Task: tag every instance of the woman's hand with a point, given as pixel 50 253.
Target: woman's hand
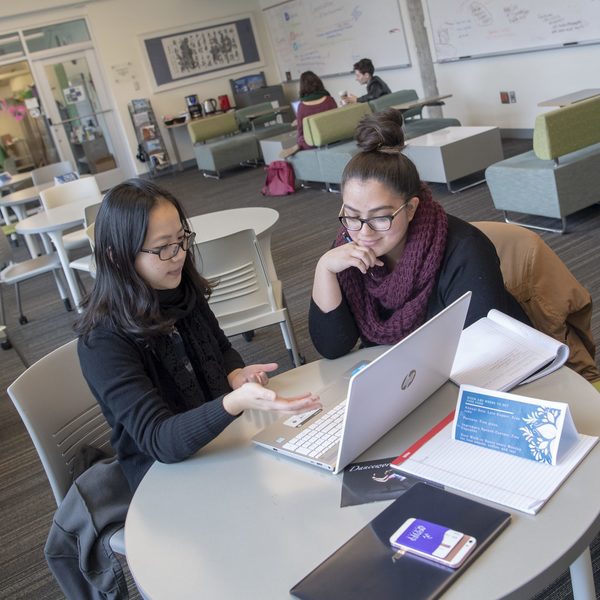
pixel 253 395
pixel 326 289
pixel 251 373
pixel 342 257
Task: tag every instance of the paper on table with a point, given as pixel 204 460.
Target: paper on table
pixel 498 352
pixel 509 480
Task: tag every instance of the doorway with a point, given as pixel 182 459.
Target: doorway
pixel 25 141
pixel 82 122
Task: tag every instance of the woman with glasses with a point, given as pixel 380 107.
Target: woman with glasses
pixel 166 377
pixel 398 258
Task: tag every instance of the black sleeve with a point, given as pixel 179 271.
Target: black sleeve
pixel 231 356
pixel 119 377
pixel 471 264
pixel 333 333
pixel 375 89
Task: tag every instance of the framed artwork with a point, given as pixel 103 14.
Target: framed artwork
pixel 198 52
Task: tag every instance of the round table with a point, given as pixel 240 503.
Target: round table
pixel 237 521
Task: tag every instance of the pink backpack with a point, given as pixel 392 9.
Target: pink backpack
pixel 280 179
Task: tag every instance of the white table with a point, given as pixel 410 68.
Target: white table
pixel 15 179
pixel 453 152
pixel 237 521
pixel 421 102
pixel 571 98
pixel 54 222
pixel 17 201
pixel 211 226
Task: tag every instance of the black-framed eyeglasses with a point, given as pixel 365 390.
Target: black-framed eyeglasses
pixel 169 251
pixel 375 223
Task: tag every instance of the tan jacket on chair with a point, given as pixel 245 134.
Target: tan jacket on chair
pixel 555 302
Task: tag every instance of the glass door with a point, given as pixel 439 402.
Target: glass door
pixel 80 115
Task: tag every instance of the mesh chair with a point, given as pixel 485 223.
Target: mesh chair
pixel 61 418
pixel 49 172
pixel 72 191
pixel 16 272
pixel 243 297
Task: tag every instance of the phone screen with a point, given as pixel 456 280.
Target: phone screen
pixel 433 541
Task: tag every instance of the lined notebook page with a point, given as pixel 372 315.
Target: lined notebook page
pixel 515 482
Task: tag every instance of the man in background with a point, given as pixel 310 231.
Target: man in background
pixel 376 87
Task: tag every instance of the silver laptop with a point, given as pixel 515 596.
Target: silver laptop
pixel 372 397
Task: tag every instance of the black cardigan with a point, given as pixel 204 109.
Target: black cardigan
pixel 470 263
pixel 140 401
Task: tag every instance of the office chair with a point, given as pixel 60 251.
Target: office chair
pixel 555 302
pixel 61 418
pixel 72 191
pixel 13 273
pixel 244 298
pixel 49 172
pixel 86 263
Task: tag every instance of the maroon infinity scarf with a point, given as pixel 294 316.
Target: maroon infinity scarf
pixel 405 291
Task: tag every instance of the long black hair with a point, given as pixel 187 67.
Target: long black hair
pixel 121 300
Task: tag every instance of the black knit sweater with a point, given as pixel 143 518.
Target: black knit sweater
pixel 150 419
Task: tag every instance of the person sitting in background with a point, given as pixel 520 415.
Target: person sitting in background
pixel 398 258
pixel 314 99
pixel 376 87
pixel 165 375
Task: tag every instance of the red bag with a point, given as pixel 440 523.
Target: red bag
pixel 280 179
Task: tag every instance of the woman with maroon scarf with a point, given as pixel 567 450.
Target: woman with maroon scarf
pixel 398 258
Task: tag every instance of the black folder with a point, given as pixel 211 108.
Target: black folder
pixel 367 566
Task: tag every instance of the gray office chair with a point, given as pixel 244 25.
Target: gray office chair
pixel 13 273
pixel 61 418
pixel 244 298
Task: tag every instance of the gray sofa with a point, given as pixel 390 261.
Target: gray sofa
pixel 561 175
pixel 227 140
pixel 332 134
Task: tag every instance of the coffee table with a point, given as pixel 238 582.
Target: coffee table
pixel 448 154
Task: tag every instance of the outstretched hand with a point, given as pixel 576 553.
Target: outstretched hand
pixel 255 396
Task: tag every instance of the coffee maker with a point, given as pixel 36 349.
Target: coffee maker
pixel 193 106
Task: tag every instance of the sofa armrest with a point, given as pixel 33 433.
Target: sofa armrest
pixel 207 128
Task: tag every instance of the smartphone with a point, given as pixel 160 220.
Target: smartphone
pixel 434 542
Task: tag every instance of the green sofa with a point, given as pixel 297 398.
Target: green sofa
pixel 561 175
pixel 332 133
pixel 224 141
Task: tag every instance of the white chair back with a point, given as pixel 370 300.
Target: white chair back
pixel 46 174
pixel 60 413
pixel 244 298
pixel 72 191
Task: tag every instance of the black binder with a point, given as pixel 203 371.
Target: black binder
pixel 366 566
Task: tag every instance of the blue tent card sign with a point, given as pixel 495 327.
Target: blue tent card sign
pixel 537 430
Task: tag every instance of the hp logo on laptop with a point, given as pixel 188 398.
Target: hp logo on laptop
pixel 409 379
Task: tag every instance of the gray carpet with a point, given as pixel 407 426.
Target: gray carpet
pixel 304 231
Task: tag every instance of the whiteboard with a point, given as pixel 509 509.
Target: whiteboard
pixel 329 36
pixel 470 28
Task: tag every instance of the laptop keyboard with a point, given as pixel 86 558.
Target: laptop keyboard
pixel 321 436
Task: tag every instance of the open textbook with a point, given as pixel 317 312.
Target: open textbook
pixel 499 352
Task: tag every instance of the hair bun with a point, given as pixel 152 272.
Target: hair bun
pixel 381 131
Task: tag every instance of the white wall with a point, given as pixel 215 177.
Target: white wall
pixel 475 84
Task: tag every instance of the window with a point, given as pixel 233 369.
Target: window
pixel 57 35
